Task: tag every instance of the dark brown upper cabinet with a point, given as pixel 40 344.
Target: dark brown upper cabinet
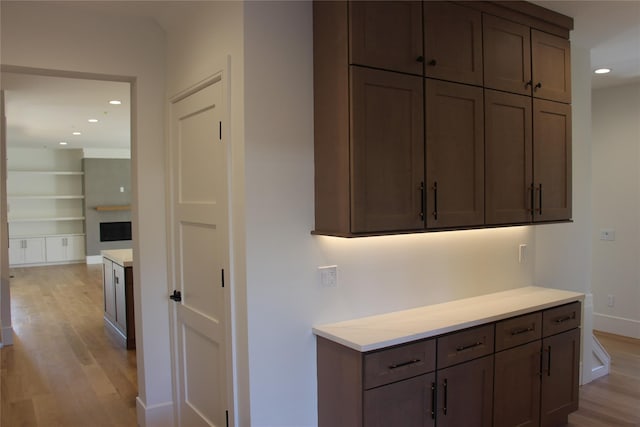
pixel 551 160
pixel 551 62
pixel 453 42
pixel 507 55
pixel 386 35
pixel 400 91
pixel 526 61
pixel 455 155
pixel 528 159
pixel 387 166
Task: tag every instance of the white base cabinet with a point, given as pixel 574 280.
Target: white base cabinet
pixel 40 250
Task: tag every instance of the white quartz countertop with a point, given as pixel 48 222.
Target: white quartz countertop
pixel 376 332
pixel 123 257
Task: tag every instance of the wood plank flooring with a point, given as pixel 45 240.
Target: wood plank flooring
pixel 64 368
pixel 613 400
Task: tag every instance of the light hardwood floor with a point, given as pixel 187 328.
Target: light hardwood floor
pixel 64 369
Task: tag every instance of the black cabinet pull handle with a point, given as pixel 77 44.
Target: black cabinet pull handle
pixel 529 83
pixel 435 200
pixel 564 319
pixel 467 347
pixel 522 331
pixel 549 362
pixel 420 58
pixel 176 296
pixel 422 200
pixel 433 401
pixel 532 209
pixel 400 365
pixel 540 200
pixel 433 62
pixel 444 408
pixel 538 86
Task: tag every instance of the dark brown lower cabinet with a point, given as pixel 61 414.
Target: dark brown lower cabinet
pixel 517 386
pixel 465 394
pixel 560 361
pixel 408 403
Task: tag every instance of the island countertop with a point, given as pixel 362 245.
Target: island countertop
pixel 399 327
pixel 123 257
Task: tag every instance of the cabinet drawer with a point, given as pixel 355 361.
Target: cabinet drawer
pixel 397 363
pixel 560 319
pixel 518 330
pixel 465 345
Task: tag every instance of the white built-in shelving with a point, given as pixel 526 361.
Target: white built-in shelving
pixel 45 204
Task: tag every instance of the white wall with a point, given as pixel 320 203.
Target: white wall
pixel 77 37
pixel 616 205
pixel 375 275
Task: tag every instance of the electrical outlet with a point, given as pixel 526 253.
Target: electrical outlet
pixel 611 301
pixel 522 253
pixel 608 234
pixel 328 276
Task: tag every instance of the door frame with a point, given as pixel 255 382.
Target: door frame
pixel 222 74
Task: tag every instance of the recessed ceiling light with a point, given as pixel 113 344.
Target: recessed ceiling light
pixel 93 120
pixel 602 71
pixel 63 143
pixel 77 133
pixel 115 102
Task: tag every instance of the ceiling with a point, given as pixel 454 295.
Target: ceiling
pixel 42 111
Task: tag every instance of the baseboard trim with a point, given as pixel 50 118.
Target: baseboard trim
pixel 94 259
pixel 7 336
pixel 160 415
pixel 616 325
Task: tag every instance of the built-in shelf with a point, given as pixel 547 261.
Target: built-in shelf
pixel 43 172
pixel 113 208
pixel 59 218
pixel 50 197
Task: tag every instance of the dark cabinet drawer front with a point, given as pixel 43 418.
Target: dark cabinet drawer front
pixel 465 345
pixel 398 363
pixel 560 319
pixel 518 330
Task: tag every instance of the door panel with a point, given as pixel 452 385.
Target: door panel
pixel 452 42
pixel 386 34
pixel 200 244
pixel 552 160
pixel 507 55
pixel 455 155
pixel 387 151
pixel 551 61
pixel 508 162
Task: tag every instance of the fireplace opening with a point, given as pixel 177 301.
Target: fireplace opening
pixel 114 231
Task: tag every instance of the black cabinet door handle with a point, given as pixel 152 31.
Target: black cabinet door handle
pixel 176 296
pixel 433 62
pixel 433 401
pixel 420 58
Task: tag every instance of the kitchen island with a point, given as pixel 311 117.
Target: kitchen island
pixel 117 282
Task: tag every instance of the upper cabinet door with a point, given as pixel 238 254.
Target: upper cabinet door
pixel 551 59
pixel 552 160
pixel 387 157
pixel 387 35
pixel 507 55
pixel 455 154
pixel 453 42
pixel 508 162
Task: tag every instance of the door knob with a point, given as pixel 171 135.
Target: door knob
pixel 176 296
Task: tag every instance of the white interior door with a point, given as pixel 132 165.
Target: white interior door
pixel 201 253
pixel 6 336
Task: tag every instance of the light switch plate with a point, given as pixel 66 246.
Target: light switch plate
pixel 328 276
pixel 608 234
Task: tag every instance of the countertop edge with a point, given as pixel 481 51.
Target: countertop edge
pixel 123 257
pixel 331 331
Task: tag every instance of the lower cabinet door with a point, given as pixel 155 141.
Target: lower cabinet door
pixel 465 394
pixel 408 403
pixel 560 371
pixel 516 400
pixel 121 300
